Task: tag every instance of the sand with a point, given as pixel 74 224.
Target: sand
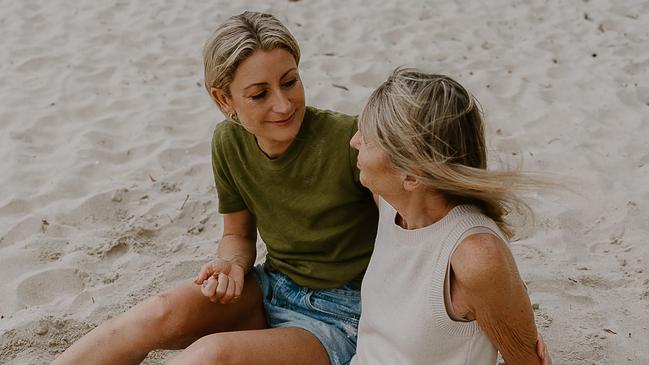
pixel 107 194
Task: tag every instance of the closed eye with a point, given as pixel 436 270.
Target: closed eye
pixel 259 96
pixel 290 83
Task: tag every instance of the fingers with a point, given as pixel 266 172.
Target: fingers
pixel 208 270
pixel 238 288
pixel 221 282
pixel 225 290
pixel 221 289
pixel 228 297
pixel 546 357
pixel 205 272
pixel 542 351
pixel 208 288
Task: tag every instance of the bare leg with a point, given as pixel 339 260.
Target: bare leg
pixel 276 346
pixel 170 320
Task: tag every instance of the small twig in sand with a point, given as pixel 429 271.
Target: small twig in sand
pixel 186 198
pixel 340 87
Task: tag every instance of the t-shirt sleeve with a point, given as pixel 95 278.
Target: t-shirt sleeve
pixel 230 199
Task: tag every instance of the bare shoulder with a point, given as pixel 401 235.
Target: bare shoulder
pixel 482 260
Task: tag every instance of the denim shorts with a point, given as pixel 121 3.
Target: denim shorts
pixel 331 315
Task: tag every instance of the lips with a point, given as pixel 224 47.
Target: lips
pixel 283 122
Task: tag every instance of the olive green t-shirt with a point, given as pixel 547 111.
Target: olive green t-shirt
pixel 317 220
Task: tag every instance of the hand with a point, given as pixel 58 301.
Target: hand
pixel 542 351
pixel 221 280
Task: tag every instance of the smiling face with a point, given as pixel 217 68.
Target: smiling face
pixel 267 96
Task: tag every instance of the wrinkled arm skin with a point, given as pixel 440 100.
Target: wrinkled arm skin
pixel 486 277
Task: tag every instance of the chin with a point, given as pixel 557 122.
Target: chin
pixel 285 135
pixel 294 128
pixel 363 182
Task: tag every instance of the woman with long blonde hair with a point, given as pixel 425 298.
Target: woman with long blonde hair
pixel 442 286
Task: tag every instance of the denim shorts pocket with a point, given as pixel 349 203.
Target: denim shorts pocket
pixel 345 307
pixel 281 291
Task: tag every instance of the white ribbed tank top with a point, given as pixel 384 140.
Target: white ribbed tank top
pixel 404 319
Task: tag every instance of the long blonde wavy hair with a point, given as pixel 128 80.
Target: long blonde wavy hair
pixel 431 127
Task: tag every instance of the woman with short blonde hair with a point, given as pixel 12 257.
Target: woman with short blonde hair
pixel 286 170
pixel 236 39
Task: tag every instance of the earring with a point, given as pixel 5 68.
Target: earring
pixel 233 117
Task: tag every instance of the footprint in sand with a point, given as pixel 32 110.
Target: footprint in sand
pixel 569 290
pixel 642 94
pixel 47 286
pixel 23 230
pixel 634 97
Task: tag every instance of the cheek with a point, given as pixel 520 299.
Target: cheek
pixel 377 168
pixel 251 114
pixel 297 93
pixel 361 157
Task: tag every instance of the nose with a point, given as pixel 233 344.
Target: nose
pixel 355 141
pixel 282 104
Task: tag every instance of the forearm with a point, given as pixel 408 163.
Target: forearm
pixel 517 345
pixel 524 359
pixel 511 328
pixel 239 250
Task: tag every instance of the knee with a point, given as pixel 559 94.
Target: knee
pixel 209 350
pixel 152 316
pixel 158 313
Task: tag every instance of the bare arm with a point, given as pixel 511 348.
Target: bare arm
pixel 489 285
pixel 238 244
pixel 222 278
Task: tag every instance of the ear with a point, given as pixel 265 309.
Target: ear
pixel 410 183
pixel 223 100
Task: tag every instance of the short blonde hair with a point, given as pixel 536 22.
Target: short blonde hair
pixel 431 127
pixel 236 39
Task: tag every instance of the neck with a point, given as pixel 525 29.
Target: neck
pixel 419 208
pixel 273 149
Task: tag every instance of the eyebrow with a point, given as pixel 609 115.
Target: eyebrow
pixel 265 83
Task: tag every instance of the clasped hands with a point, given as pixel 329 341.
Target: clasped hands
pixel 221 281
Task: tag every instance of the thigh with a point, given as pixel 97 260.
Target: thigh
pixel 330 315
pixel 182 315
pixel 275 346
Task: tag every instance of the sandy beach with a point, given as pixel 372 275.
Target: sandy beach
pixel 107 190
